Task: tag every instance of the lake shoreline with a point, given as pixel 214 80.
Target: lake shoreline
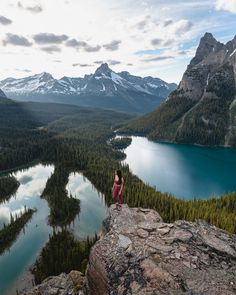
pixel 184 171
pixel 166 141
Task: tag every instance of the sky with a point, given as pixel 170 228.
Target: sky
pixel 73 37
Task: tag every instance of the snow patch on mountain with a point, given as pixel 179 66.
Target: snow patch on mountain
pixel 103 82
pixel 117 79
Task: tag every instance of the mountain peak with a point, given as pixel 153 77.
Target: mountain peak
pixel 104 66
pixel 103 69
pixel 207 45
pixel 205 97
pixel 208 36
pixel 44 76
pixel 208 40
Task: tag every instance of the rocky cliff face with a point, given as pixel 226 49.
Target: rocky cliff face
pixel 202 109
pixel 211 74
pixel 140 254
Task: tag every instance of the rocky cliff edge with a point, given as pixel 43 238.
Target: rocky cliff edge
pixel 140 254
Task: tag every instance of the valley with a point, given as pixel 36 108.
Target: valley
pixel 61 140
pixel 77 142
pixel 117 147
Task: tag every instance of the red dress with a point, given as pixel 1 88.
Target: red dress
pixel 118 198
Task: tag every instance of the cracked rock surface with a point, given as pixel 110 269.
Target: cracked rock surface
pixel 140 254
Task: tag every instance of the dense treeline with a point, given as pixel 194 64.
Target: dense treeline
pixel 19 146
pixel 21 143
pixel 80 143
pixel 163 122
pixel 218 211
pixel 62 253
pixel 232 120
pixel 120 143
pixel 98 163
pixel 8 187
pixel 207 124
pixel 9 233
pixel 184 120
pixel 63 208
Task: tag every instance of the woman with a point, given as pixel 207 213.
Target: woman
pixel 118 188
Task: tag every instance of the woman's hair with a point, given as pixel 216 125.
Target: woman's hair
pixel 119 174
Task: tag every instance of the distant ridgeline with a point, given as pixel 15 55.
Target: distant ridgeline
pixel 103 89
pixel 202 110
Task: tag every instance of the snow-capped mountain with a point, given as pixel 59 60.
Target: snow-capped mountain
pixel 2 94
pixel 135 92
pixel 40 83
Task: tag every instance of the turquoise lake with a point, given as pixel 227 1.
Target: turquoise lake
pixel 183 170
pixel 15 262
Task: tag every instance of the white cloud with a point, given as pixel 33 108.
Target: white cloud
pixel 37 177
pixel 99 30
pixel 6 212
pixel 16 40
pixel 76 185
pixel 228 5
pixel 33 6
pixel 5 21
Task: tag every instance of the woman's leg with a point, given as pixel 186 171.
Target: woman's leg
pixel 116 199
pixel 120 201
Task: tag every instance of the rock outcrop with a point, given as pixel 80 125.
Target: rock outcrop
pixel 71 284
pixel 140 254
pixel 202 110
